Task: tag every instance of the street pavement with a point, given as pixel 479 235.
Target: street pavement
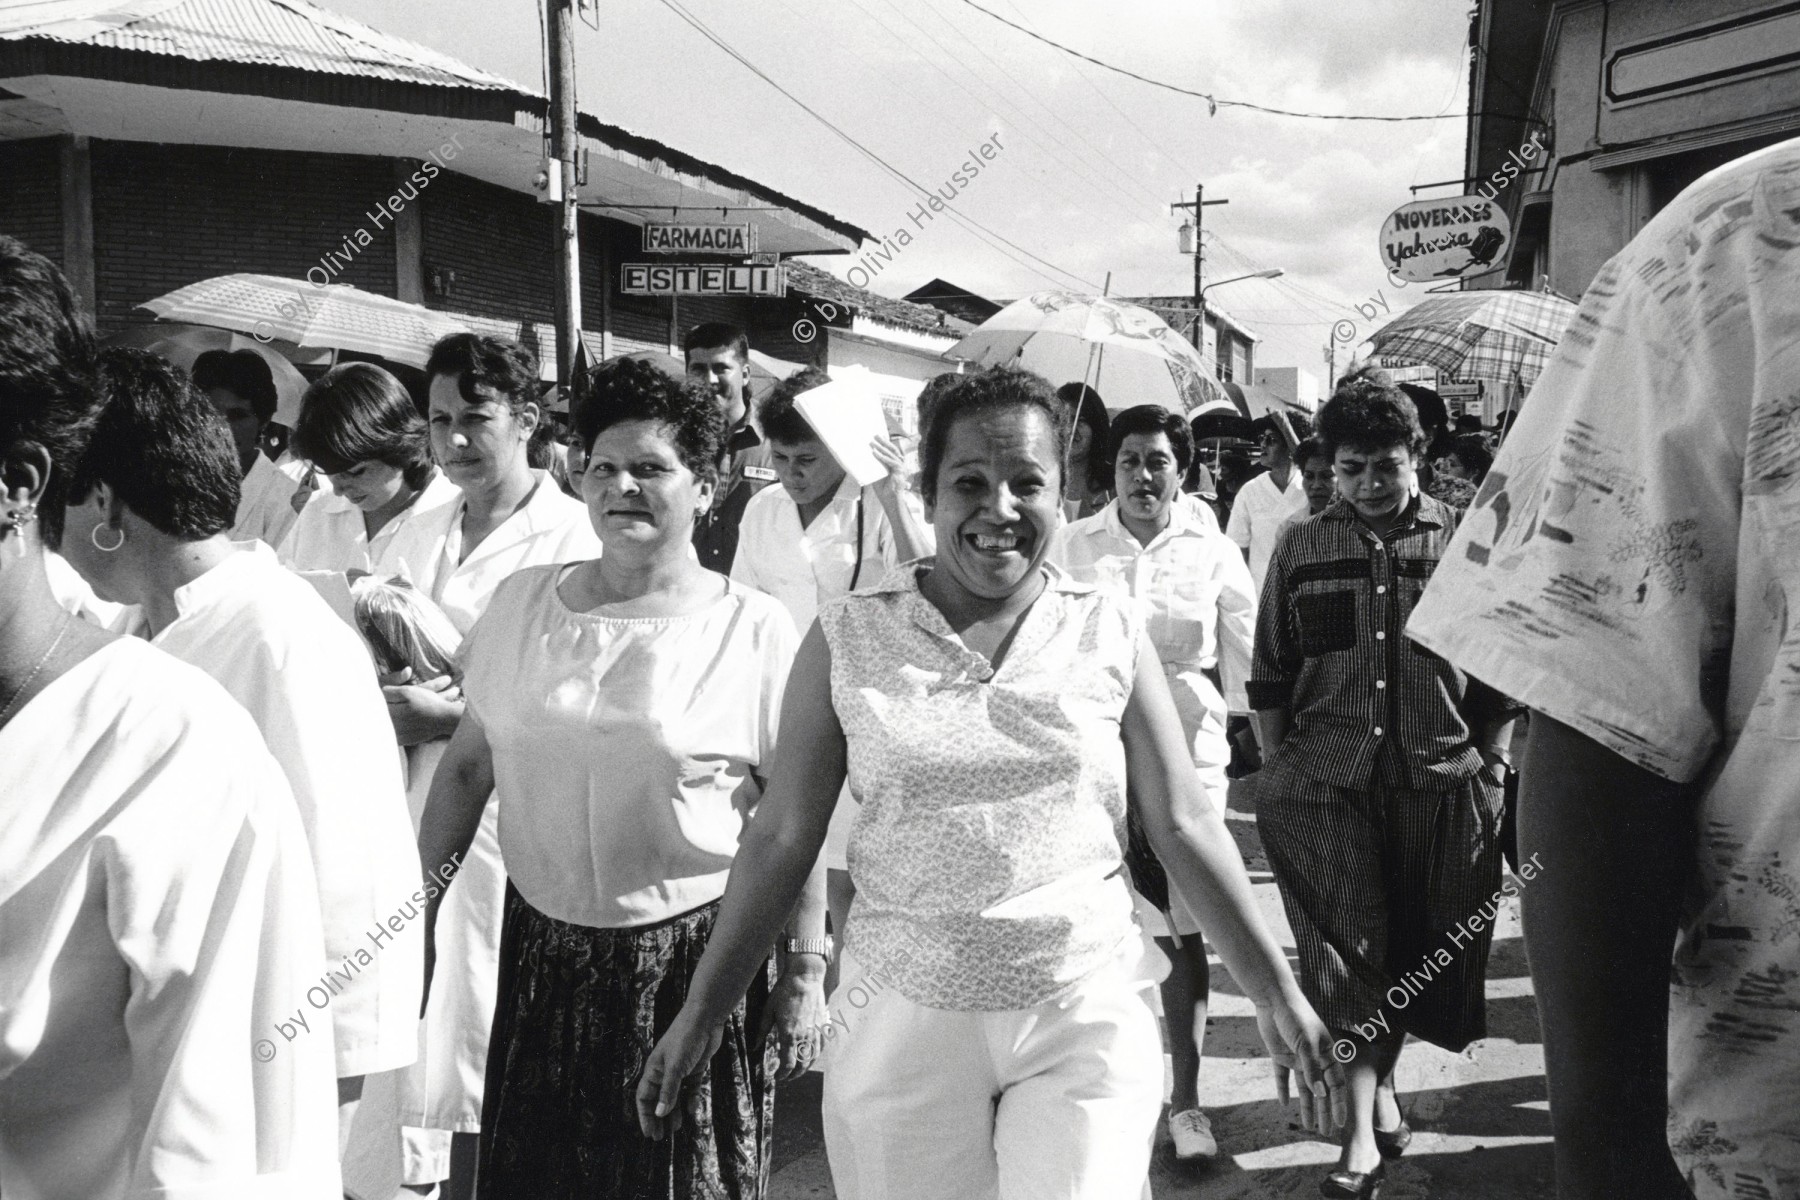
pixel 1481 1125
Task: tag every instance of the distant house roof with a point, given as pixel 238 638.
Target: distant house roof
pixel 903 314
pixel 955 300
pixel 119 69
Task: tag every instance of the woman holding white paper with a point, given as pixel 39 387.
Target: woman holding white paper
pixel 818 536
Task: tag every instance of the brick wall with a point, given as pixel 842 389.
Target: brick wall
pixel 500 244
pixel 165 216
pixel 31 194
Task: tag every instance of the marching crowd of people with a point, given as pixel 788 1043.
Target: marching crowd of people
pixel 528 816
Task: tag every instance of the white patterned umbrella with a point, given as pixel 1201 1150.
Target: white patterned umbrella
pixel 1127 353
pixel 274 308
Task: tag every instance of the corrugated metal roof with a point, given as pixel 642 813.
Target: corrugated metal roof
pixel 805 278
pixel 276 33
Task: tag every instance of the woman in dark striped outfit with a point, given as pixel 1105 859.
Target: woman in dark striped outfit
pixel 1380 801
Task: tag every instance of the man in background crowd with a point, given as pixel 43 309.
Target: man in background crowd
pixel 242 389
pixel 719 355
pixel 1264 503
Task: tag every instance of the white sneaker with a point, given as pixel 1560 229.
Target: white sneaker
pixel 1193 1136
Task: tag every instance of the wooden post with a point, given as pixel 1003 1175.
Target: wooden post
pixel 564 147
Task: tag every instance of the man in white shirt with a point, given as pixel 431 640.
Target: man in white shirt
pixel 242 389
pixel 1263 504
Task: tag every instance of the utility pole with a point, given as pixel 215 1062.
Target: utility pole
pixel 564 147
pixel 1200 204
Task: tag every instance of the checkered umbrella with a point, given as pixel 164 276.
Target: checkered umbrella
pixel 1469 336
pixel 1127 353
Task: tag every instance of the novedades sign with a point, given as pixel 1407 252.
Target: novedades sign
pixel 1429 240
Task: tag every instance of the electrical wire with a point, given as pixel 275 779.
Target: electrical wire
pixel 1214 103
pixel 1068 167
pixel 700 27
pixel 1111 170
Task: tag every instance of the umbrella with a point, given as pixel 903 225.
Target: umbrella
pixel 1125 352
pixel 274 308
pixel 1217 424
pixel 182 344
pixel 1505 336
pixel 1256 402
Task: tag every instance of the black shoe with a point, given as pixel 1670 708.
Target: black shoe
pixel 1354 1185
pixel 1393 1142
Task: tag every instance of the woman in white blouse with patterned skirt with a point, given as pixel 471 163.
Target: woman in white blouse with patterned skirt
pixel 990 713
pixel 624 711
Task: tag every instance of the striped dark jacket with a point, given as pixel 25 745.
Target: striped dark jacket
pixel 1367 703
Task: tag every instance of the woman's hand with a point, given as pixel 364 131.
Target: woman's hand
pixel 1298 1042
pixel 681 1053
pixel 797 1016
pixel 423 712
pixel 888 453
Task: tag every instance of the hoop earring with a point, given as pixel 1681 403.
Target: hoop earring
pixel 94 537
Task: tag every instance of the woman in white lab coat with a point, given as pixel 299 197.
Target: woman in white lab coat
pixel 483 412
pixel 361 430
pixel 158 908
pixel 150 506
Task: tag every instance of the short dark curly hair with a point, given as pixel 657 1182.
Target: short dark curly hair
pixel 357 412
pixel 1475 452
pixel 991 390
pixel 630 389
pixel 781 420
pixel 1369 412
pixel 475 361
pixel 1308 450
pixel 48 396
pixel 244 374
pixel 161 447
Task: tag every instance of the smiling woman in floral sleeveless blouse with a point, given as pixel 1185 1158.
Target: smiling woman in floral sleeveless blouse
pixel 989 713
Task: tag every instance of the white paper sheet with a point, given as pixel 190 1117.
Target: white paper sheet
pixel 846 414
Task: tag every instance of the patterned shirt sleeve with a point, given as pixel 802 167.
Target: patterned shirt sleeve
pixel 1594 576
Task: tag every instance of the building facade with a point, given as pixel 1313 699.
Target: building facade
pixel 1588 117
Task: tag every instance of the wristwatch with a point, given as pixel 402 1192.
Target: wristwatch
pixel 820 946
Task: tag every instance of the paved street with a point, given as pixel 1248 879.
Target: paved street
pixel 1480 1118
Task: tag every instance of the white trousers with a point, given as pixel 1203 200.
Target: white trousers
pixel 1057 1102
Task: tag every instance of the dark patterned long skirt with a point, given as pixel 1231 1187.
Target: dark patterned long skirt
pixel 578 1012
pixel 1391 894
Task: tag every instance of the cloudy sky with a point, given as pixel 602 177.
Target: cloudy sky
pixel 1090 160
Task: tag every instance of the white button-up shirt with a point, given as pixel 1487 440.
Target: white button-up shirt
pixel 306 679
pixel 332 536
pixel 1257 515
pixel 804 567
pixel 265 509
pixel 1197 602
